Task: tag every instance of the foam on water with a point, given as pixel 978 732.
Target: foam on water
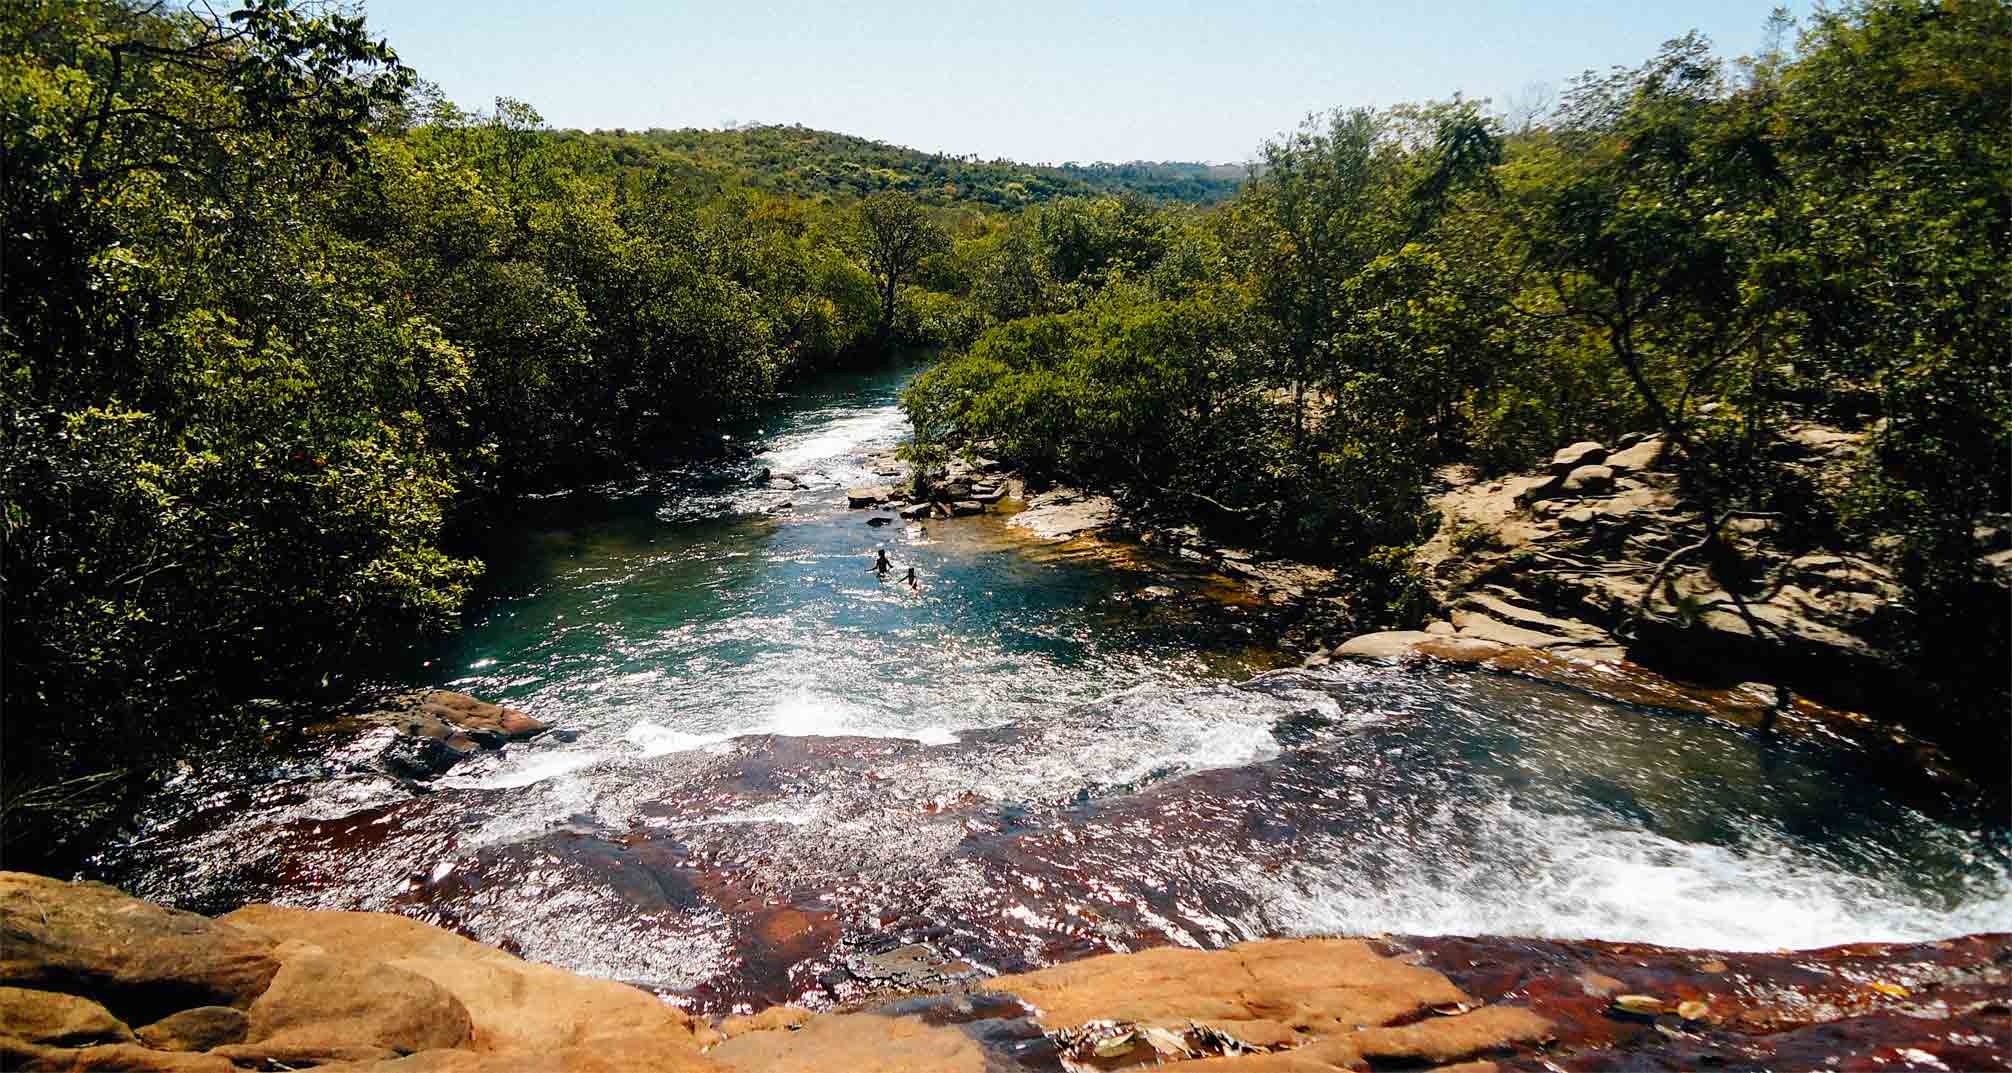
pixel 524 769
pixel 834 441
pixel 798 715
pixel 1569 877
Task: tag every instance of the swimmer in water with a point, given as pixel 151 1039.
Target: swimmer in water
pixel 911 580
pixel 880 564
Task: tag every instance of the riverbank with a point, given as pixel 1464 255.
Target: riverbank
pixel 1596 574
pixel 93 979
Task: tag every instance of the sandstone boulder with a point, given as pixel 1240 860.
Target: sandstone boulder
pixel 473 714
pixel 1588 480
pixel 1062 514
pixel 966 507
pixel 107 1058
pixel 512 1004
pixel 1583 453
pixel 196 1030
pixel 1287 990
pixel 342 1008
pixel 1531 490
pixel 1635 459
pixel 1820 440
pixel 1393 645
pixel 382 936
pixel 868 496
pixel 140 960
pixel 54 1019
pixel 857 1043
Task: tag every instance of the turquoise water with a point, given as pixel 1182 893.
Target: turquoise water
pixel 692 606
pixel 777 767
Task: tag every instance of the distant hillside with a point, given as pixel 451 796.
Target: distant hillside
pixel 1173 180
pixel 820 164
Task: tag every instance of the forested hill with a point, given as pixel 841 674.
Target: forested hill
pixel 823 165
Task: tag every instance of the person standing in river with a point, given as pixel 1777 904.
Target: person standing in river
pixel 910 578
pixel 880 564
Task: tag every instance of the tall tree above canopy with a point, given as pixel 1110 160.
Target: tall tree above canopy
pixel 895 235
pixel 1652 221
pixel 1326 204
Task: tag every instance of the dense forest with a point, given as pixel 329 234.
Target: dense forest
pixel 278 320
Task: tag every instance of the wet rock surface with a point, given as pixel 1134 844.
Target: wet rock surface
pixel 1941 1005
pixel 422 734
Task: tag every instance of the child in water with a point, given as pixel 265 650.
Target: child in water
pixel 880 564
pixel 911 580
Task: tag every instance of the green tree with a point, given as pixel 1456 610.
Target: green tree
pixel 217 456
pixel 1326 202
pixel 895 234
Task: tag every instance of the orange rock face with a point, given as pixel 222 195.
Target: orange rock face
pixel 1294 1004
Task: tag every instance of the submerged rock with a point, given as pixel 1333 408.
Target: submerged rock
pixel 426 757
pixel 437 729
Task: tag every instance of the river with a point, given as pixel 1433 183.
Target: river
pixel 784 779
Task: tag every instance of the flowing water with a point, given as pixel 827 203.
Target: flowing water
pixel 786 779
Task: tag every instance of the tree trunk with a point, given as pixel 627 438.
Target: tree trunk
pixel 884 333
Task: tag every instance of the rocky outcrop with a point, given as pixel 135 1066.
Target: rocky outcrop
pixel 1065 513
pixel 324 989
pixel 1597 559
pixel 141 961
pixel 431 730
pixel 376 993
pixel 322 1006
pixel 1601 587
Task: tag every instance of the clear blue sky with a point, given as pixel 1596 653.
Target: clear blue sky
pixel 1034 80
